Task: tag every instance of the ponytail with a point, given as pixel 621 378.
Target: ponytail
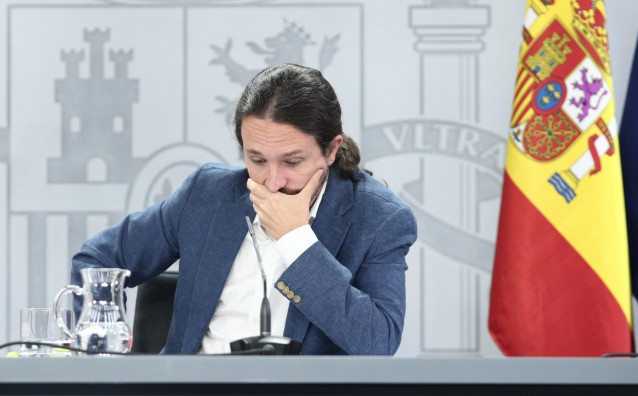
pixel 348 158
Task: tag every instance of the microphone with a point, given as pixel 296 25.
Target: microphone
pixel 264 316
pixel 265 343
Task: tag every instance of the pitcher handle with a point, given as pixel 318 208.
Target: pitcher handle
pixel 56 307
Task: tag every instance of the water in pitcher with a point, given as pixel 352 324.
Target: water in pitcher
pixel 106 337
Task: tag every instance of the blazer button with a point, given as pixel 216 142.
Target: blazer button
pixel 286 289
pixel 281 285
pixel 290 294
pixel 296 298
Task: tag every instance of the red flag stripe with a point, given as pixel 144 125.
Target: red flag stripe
pixel 545 299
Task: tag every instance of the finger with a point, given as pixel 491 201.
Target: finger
pixel 256 198
pixel 313 183
pixel 255 188
pixel 250 184
pixel 253 198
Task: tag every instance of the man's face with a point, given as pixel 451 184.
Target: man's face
pixel 282 157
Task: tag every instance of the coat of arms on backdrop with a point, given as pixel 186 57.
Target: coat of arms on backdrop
pixel 288 46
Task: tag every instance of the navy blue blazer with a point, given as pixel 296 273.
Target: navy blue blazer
pixel 351 283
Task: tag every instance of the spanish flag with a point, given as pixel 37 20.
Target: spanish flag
pixel 560 284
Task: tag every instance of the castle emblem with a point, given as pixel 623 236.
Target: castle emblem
pixel 553 52
pixel 96 117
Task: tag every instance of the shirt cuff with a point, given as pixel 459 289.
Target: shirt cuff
pixel 293 244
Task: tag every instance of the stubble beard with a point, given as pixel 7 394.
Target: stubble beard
pixel 315 194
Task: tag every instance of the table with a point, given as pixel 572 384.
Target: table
pixel 146 375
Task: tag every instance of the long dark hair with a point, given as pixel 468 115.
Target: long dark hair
pixel 299 96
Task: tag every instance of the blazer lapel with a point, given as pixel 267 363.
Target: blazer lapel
pixel 330 226
pixel 225 235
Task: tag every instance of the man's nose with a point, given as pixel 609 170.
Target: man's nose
pixel 275 180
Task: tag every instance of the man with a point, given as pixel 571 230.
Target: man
pixel 332 238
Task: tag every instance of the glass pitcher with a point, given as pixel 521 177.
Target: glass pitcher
pixel 102 326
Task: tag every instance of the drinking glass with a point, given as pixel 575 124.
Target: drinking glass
pixel 39 325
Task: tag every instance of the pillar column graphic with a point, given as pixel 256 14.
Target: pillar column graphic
pixel 449 38
pixel 448 41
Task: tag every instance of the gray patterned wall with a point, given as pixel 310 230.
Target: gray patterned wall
pixel 110 104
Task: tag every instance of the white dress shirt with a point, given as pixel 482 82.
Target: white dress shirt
pixel 239 305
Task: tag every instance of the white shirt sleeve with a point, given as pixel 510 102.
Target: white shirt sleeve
pixel 293 244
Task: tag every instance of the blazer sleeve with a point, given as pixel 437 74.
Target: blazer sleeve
pixel 362 314
pixel 143 242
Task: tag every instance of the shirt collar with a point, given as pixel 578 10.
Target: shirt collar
pixel 315 207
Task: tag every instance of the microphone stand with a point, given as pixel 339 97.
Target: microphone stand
pixel 265 343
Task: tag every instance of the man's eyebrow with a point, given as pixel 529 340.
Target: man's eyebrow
pixel 293 153
pixel 289 154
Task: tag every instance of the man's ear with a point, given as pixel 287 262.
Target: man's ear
pixel 333 147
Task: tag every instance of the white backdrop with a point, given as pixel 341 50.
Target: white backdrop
pixel 109 104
